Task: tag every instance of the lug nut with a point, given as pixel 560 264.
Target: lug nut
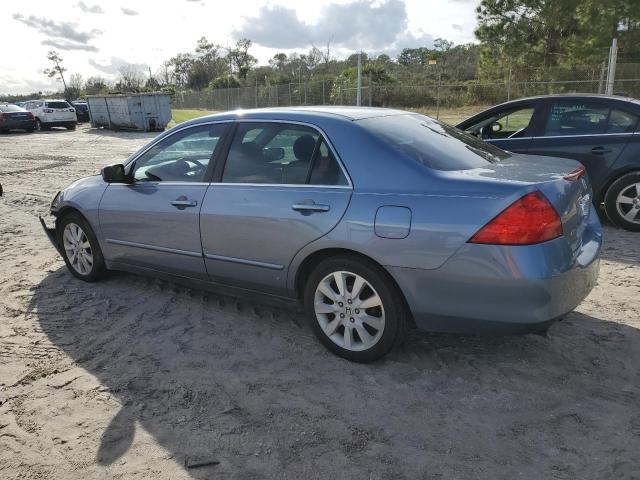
pixel 357 311
pixel 352 320
pixel 342 315
pixel 349 301
pixel 340 304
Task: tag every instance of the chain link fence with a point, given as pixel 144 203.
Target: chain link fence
pixel 449 101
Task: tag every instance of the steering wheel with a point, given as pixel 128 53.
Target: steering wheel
pixel 517 132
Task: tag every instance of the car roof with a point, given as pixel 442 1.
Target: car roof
pixel 337 112
pixel 618 98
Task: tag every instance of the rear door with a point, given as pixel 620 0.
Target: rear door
pixel 154 222
pixel 589 131
pixel 509 128
pixel 281 187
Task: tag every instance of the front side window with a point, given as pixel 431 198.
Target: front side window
pixel 181 157
pixel 576 118
pixel 280 153
pixel 505 124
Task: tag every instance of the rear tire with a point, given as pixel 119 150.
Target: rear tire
pixel 363 323
pixel 40 127
pixel 71 127
pixel 80 248
pixel 622 202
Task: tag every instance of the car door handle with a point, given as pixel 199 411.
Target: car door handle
pixel 309 207
pixel 600 150
pixel 183 203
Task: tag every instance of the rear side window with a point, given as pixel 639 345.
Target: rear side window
pixel 281 154
pixel 621 122
pixel 576 118
pixel 58 105
pixel 10 108
pixel 432 143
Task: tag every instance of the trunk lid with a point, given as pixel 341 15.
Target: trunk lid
pixel 569 194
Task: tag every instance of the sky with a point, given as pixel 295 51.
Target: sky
pixel 97 37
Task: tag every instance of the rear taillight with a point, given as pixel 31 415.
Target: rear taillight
pixel 1 117
pixel 48 110
pixel 531 219
pixel 575 175
pixel 31 117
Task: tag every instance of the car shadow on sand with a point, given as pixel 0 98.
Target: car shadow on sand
pixel 247 388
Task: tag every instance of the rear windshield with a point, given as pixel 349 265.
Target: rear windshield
pixel 11 108
pixel 58 105
pixel 81 106
pixel 433 143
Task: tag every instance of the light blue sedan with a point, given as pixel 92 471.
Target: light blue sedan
pixel 376 220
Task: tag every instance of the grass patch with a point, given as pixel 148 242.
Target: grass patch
pixel 182 115
pixel 451 116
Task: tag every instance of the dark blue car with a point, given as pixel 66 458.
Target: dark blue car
pixel 599 131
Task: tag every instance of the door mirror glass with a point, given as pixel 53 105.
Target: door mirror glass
pixel 114 173
pixel 496 127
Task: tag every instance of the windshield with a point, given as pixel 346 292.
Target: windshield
pixel 11 108
pixel 57 105
pixel 433 143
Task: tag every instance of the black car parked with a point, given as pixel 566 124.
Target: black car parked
pixel 599 131
pixel 13 117
pixel 82 110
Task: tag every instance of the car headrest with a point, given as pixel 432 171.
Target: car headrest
pixel 303 148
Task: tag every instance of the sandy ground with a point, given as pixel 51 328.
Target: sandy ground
pixel 139 378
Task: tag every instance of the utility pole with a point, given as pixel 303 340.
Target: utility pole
pixel 611 74
pixel 359 91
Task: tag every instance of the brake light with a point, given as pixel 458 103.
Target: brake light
pixel 575 175
pixel 1 117
pixel 71 110
pixel 531 219
pixel 31 117
pixel 48 110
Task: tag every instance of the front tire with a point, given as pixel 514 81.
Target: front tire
pixel 80 248
pixel 622 202
pixel 354 309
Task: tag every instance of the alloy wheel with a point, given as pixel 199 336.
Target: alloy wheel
pixel 77 248
pixel 628 203
pixel 349 311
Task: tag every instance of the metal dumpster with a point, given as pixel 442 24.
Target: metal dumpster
pixel 135 111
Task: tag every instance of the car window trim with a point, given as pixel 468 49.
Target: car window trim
pixel 217 180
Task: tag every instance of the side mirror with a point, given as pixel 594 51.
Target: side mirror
pixel 273 154
pixel 114 174
pixel 496 127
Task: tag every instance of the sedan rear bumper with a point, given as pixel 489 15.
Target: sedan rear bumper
pixel 510 289
pixel 18 125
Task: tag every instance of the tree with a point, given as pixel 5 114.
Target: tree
pixel 76 85
pixel 542 33
pixel 57 70
pixel 131 79
pixel 240 57
pixel 95 85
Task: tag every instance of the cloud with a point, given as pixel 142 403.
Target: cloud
pixel 360 24
pixel 115 64
pixel 62 35
pixel 66 45
pixel 128 11
pixel 456 26
pixel 89 8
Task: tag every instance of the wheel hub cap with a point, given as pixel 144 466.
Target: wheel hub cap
pixel 77 248
pixel 349 311
pixel 628 203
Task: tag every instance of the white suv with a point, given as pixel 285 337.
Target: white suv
pixel 52 113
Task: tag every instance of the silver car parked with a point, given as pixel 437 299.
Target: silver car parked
pixel 375 219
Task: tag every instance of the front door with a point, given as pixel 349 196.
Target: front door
pixel 153 222
pixel 281 188
pixel 587 131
